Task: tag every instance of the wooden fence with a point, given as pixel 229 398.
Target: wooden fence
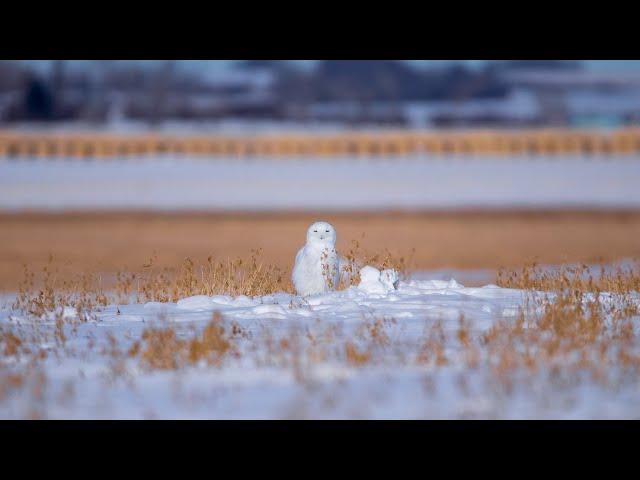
pixel 490 142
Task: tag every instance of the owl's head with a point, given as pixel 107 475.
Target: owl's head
pixel 322 233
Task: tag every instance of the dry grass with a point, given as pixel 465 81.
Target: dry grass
pixel 357 257
pixel 48 295
pixel 354 356
pixel 161 348
pixel 568 327
pixel 106 243
pixel 432 350
pixel 235 277
pixel 575 326
pixel 45 295
pixel 10 343
pixel 573 278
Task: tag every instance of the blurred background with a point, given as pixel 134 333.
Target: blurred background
pixel 328 94
pixel 463 166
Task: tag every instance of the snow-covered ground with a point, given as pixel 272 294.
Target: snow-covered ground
pixel 91 377
pixel 330 184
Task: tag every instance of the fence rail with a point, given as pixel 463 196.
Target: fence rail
pixel 538 142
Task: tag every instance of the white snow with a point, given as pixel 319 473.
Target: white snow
pixel 374 281
pixel 83 381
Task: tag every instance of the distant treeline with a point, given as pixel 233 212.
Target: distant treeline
pixel 129 90
pixel 391 80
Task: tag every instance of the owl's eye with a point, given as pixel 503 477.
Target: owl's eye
pixel 327 231
pixel 315 231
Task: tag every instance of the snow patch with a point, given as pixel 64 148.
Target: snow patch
pixel 372 281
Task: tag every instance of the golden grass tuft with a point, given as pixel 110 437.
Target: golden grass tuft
pixel 10 343
pixel 432 350
pixel 357 257
pixel 43 295
pixel 576 278
pixel 250 277
pixel 211 345
pixel 84 293
pixel 354 356
pixel 163 349
pixel 573 326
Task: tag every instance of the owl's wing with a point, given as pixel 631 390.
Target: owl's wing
pixel 299 255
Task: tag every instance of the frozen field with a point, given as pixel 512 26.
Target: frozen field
pixel 326 184
pixel 370 351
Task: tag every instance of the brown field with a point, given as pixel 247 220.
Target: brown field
pixel 106 243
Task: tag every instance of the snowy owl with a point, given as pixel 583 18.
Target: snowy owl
pixel 316 268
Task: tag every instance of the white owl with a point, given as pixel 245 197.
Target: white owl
pixel 317 265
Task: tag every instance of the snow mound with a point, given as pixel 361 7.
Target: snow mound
pixel 379 293
pixel 376 282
